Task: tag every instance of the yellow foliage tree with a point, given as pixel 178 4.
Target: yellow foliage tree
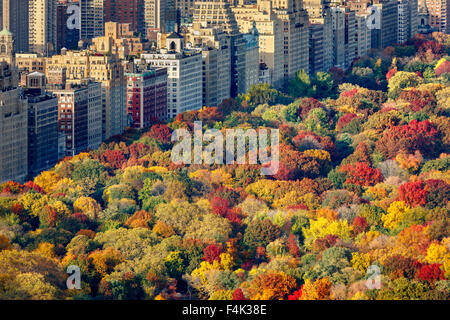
pixel 317 290
pixel 88 206
pixel 360 261
pixel 395 214
pixel 47 180
pixel 321 227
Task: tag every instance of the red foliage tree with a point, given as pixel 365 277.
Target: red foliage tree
pixel 211 253
pixel 362 174
pixel 359 225
pixel 160 132
pixel 238 294
pixel 30 185
pixel 220 206
pixel 444 67
pixel 391 73
pixel 114 158
pixel 413 193
pixel 416 135
pixel 306 105
pixel 344 120
pixel 430 273
pixel 296 294
pixel 292 245
pixel 438 193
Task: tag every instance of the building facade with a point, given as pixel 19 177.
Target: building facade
pixel 147 97
pixel 439 15
pixel 73 117
pixel 92 19
pixel 42 125
pixel 104 68
pixel 15 19
pixel 126 11
pixel 407 20
pixel 42 27
pixel 184 74
pixel 214 46
pixel 13 128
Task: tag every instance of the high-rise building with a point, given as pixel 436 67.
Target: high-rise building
pixel 439 15
pixel 316 48
pixel 363 35
pixel 42 125
pixel 42 26
pixel 252 65
pixel 126 11
pixel 387 34
pixel 215 13
pixel 184 74
pixel 351 46
pixel 295 36
pixel 65 37
pixel 73 117
pixel 423 17
pixel 13 127
pixel 160 15
pixel 92 19
pixel 15 19
pixel 407 20
pixel 214 46
pixel 7 47
pixel 104 68
pixel 320 35
pixel 271 36
pixel 186 9
pixel 94 110
pixel 147 97
pixel 338 43
pixel 383 19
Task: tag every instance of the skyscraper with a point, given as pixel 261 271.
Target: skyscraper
pixel 224 17
pixel 42 125
pixel 15 19
pixel 126 11
pixel 42 26
pixel 407 20
pixel 92 19
pixel 13 127
pixel 439 11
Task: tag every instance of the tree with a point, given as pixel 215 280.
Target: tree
pixel 270 286
pixel 362 174
pixel 417 135
pixel 260 233
pixel 301 85
pixel 413 193
pixel 323 85
pixel 402 80
pixel 317 290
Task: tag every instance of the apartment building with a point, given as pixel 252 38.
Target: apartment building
pixel 42 27
pixel 15 19
pixel 13 128
pixel 42 125
pixel 104 68
pixel 184 74
pixel 146 97
pixel 215 48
